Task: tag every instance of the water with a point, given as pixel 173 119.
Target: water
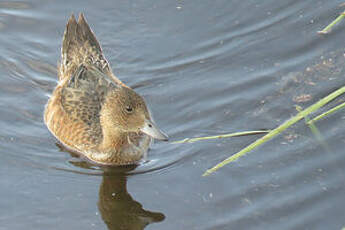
pixel 204 68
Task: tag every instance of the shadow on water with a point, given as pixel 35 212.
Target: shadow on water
pixel 119 210
pixel 117 207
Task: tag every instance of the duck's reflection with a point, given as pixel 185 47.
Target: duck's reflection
pixel 118 209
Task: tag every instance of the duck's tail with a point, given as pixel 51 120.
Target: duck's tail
pixel 80 46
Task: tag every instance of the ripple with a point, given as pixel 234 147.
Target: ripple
pixel 170 158
pixel 207 68
pixel 15 5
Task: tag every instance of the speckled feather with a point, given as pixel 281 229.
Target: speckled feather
pixel 82 91
pixel 86 83
pixel 81 46
pixel 82 98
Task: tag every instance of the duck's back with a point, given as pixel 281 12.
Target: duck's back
pixel 73 111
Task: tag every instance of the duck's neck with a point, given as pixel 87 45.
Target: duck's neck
pixel 117 149
pixel 114 140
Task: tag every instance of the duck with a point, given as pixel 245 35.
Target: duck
pixel 93 113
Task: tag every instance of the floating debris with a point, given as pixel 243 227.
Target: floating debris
pixel 302 98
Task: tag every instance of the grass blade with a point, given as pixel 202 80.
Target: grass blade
pixel 315 131
pixel 338 107
pixel 278 130
pixel 328 28
pixel 237 134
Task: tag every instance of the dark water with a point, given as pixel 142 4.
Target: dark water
pixel 204 67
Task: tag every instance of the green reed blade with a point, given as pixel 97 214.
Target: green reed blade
pixel 315 131
pixel 338 107
pixel 278 130
pixel 237 134
pixel 328 28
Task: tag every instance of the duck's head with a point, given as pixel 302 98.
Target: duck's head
pixel 125 111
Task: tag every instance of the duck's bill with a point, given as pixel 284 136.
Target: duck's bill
pixel 152 130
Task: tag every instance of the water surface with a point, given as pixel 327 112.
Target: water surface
pixel 204 68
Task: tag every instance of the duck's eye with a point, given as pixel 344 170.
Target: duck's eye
pixel 129 109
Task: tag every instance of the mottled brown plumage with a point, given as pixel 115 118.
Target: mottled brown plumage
pixel 91 111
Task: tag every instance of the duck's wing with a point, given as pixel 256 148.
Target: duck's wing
pixel 80 47
pixel 73 112
pixel 83 95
